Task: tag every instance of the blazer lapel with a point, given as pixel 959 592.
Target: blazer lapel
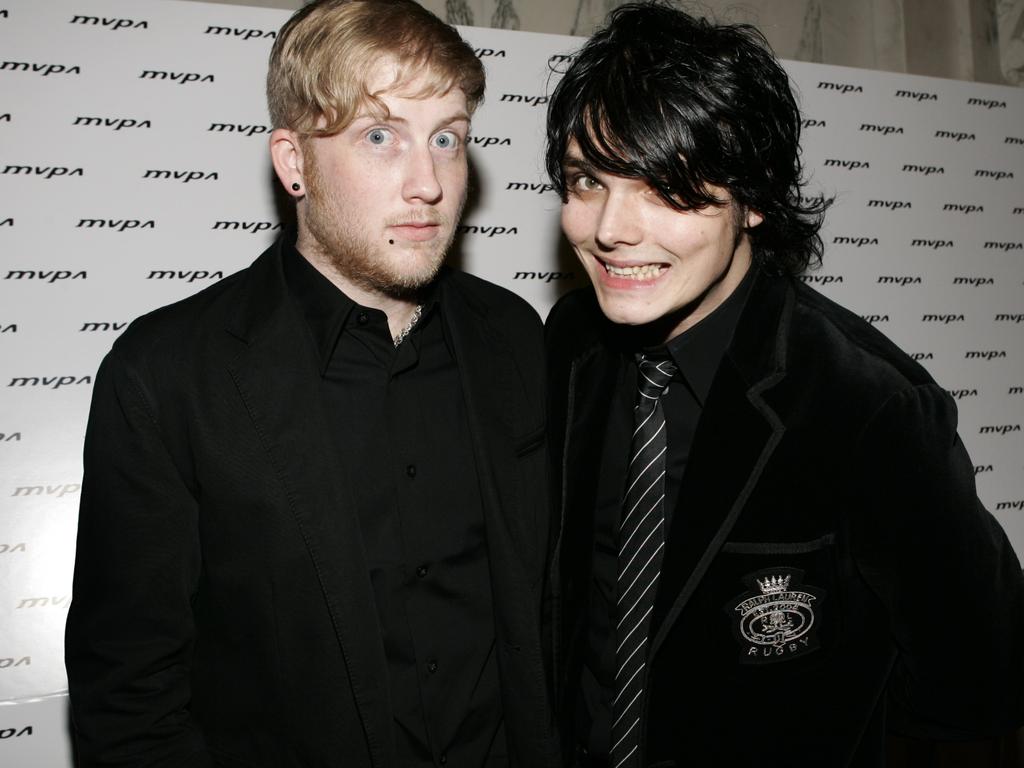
pixel 503 423
pixel 737 433
pixel 591 389
pixel 496 411
pixel 275 376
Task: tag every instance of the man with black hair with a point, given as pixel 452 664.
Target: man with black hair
pixel 771 549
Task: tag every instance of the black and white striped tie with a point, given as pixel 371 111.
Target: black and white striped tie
pixel 641 543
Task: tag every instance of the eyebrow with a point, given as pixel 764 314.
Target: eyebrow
pixel 458 117
pixel 574 162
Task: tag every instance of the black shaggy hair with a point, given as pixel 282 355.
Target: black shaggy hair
pixel 659 95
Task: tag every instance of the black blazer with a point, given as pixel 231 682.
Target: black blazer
pixel 826 455
pixel 222 611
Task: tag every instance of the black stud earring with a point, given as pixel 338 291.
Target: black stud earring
pixel 296 186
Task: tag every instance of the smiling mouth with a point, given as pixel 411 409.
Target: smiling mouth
pixel 636 272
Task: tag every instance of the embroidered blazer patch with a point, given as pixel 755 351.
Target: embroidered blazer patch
pixel 777 618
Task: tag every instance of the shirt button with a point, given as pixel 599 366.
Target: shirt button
pixel 411 470
pixel 362 319
pixel 422 571
pixel 431 667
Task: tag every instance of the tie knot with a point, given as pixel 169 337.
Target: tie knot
pixel 655 374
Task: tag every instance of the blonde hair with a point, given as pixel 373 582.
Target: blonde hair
pixel 327 51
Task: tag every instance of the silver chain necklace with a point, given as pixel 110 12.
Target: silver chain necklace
pixel 410 325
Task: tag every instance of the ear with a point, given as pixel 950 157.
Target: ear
pixel 752 219
pixel 286 155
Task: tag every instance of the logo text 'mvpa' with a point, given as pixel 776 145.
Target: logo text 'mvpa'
pixel 919 242
pixel 53 382
pixel 490 141
pixel 820 279
pixel 242 34
pixel 525 186
pixel 189 275
pixel 247 130
pixel 111 24
pixel 117 123
pixel 516 98
pixel 41 69
pixel 983 173
pixel 46 171
pixel 857 242
pixel 957 136
pixel 963 208
pixel 49 275
pixel 183 176
pixel 960 394
pixel 917 95
pixel 119 225
pixel 885 130
pixel 900 280
pixel 999 429
pixel 47 490
pixel 101 326
pixel 248 226
pixel 843 88
pixel 987 103
pixel 847 165
pixel 472 229
pixel 547 277
pixel 182 78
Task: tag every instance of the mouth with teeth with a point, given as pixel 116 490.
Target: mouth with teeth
pixel 637 272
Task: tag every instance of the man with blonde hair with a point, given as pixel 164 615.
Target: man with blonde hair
pixel 313 521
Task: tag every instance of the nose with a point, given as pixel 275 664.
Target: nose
pixel 421 183
pixel 619 222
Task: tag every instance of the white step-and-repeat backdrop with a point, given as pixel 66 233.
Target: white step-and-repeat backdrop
pixel 134 171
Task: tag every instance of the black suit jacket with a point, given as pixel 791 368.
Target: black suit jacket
pixel 222 611
pixel 827 455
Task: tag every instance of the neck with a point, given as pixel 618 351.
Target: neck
pixel 399 310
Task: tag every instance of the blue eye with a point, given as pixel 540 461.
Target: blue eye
pixel 377 136
pixel 446 140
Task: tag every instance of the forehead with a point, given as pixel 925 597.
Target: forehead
pixel 392 83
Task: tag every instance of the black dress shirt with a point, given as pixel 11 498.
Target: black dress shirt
pixel 403 444
pixel 697 353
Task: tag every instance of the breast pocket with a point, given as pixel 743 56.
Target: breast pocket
pixel 781 600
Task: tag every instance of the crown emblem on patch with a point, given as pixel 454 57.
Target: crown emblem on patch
pixel 777 618
pixel 774 584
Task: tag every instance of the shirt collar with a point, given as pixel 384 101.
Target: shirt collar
pixel 697 351
pixel 326 308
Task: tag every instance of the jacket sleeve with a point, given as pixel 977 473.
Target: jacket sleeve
pixel 130 629
pixel 944 570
